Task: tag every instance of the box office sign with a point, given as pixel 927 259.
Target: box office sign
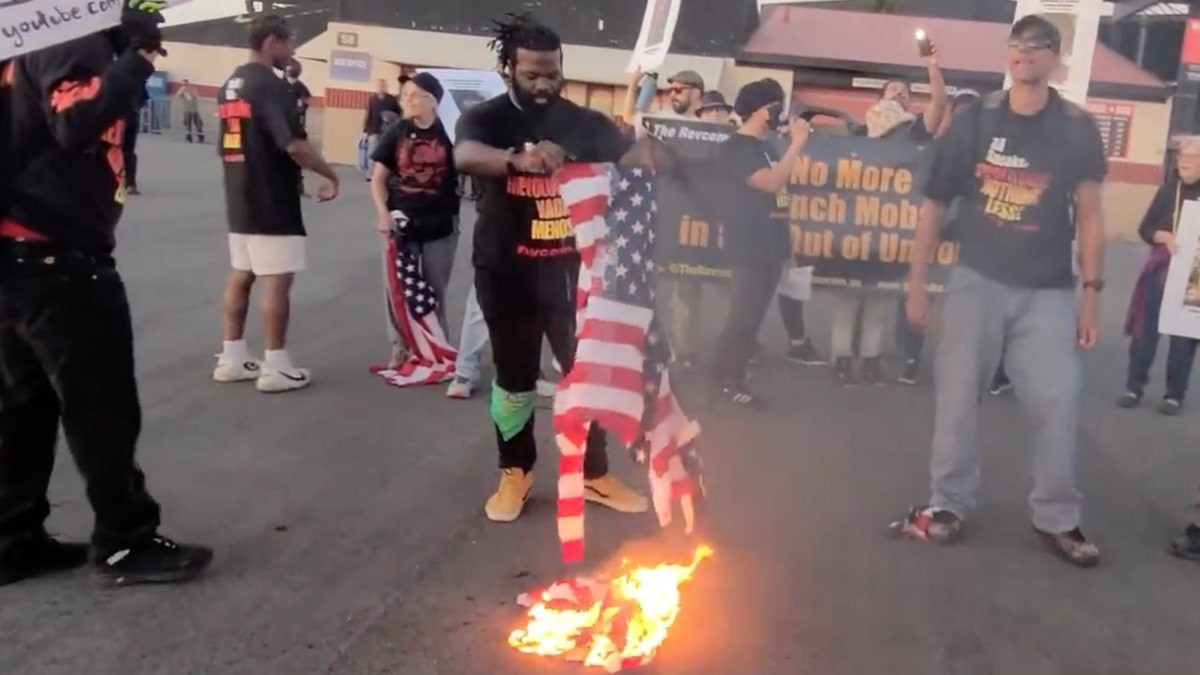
pixel 349 66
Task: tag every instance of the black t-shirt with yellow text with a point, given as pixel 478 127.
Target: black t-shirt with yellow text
pixel 523 222
pixel 262 182
pixel 1017 187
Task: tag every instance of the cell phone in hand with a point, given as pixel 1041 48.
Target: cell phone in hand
pixel 924 44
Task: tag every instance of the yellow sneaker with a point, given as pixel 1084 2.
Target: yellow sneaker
pixel 615 495
pixel 507 502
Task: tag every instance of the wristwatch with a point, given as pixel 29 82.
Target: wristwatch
pixel 1094 285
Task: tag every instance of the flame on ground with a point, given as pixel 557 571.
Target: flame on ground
pixel 613 624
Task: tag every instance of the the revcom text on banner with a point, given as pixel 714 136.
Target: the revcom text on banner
pixel 30 25
pixel 853 205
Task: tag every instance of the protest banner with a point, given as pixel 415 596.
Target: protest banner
pixel 853 205
pixel 30 25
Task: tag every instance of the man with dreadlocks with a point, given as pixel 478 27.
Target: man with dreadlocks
pixel 526 265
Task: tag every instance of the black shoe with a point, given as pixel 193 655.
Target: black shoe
pixel 912 371
pixel 1000 386
pixel 200 138
pixel 1188 545
pixel 803 352
pixel 189 138
pixel 742 397
pixel 872 372
pixel 1129 400
pixel 132 190
pixel 843 370
pixel 1170 407
pixel 39 555
pixel 156 561
pixel 1071 546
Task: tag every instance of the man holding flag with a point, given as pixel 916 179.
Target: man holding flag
pixel 524 252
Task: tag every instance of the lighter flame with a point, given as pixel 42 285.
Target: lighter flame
pixel 651 596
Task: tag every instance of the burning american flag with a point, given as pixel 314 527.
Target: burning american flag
pixel 411 308
pixel 618 619
pixel 620 377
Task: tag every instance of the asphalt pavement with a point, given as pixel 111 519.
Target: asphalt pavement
pixel 350 538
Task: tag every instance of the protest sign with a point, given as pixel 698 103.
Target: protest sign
pixel 1078 23
pixel 654 39
pixel 853 205
pixel 30 25
pixel 1179 313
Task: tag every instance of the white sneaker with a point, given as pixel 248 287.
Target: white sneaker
pixel 275 381
pixel 237 371
pixel 460 388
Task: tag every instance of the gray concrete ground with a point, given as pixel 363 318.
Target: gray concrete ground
pixel 350 537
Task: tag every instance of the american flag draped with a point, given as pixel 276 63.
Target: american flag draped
pixel 620 378
pixel 411 309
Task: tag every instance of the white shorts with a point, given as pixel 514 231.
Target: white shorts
pixel 266 254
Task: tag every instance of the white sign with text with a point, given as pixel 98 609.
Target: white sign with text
pixel 654 40
pixel 1078 22
pixel 30 25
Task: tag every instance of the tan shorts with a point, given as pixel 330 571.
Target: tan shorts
pixel 267 255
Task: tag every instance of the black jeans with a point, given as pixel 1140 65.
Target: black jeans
pixel 751 291
pixel 1181 352
pixel 791 311
pixel 66 355
pixel 133 126
pixel 517 320
pixel 909 340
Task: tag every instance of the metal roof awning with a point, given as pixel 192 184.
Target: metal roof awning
pixel 1147 9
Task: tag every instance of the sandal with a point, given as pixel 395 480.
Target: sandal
pixel 925 523
pixel 1071 546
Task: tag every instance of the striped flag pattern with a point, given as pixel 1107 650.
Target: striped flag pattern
pixel 620 378
pixel 411 308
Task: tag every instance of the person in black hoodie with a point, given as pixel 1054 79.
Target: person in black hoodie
pixel 1157 229
pixel 415 175
pixel 66 339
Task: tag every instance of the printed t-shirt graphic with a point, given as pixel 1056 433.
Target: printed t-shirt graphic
pixel 423 165
pixel 537 198
pixel 1010 186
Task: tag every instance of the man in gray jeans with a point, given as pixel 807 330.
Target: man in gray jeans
pixel 1029 167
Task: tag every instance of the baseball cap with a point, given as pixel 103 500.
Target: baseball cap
pixel 964 96
pixel 1034 27
pixel 757 95
pixel 688 78
pixel 427 83
pixel 712 100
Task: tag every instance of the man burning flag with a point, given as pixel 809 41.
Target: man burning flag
pixel 412 319
pixel 620 381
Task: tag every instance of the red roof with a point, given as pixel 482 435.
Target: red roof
pixel 868 39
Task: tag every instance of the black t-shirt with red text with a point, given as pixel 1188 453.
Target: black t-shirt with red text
pixel 424 184
pixel 1016 177
pixel 522 218
pixel 262 181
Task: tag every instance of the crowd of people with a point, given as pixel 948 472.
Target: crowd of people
pixel 1016 311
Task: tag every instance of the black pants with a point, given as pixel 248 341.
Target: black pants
pixel 66 355
pixel 750 295
pixel 133 126
pixel 1181 351
pixel 192 122
pixel 518 316
pixel 791 311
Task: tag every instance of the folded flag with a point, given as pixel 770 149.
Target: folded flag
pixel 412 311
pixel 620 378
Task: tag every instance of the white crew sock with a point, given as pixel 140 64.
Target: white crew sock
pixel 279 360
pixel 235 351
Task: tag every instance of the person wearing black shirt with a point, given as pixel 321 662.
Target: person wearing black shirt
pixel 66 335
pixel 262 150
pixel 526 265
pixel 415 176
pixel 760 242
pixel 133 128
pixel 1029 167
pixel 380 107
pixel 299 90
pixel 1158 229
